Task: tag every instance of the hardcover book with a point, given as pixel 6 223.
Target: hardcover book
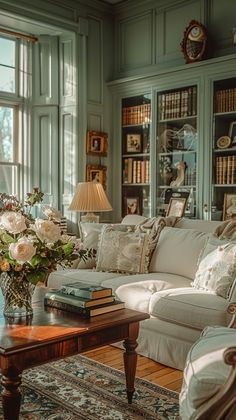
pixel 76 300
pixel 85 290
pixel 85 312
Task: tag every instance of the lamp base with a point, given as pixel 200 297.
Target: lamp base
pixel 90 217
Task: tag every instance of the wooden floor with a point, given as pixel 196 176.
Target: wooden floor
pixel 146 368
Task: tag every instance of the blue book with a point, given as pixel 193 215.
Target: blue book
pixel 85 290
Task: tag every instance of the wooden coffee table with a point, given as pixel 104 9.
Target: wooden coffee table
pixel 52 334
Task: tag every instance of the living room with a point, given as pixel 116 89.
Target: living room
pixel 71 69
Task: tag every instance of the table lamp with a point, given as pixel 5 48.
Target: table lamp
pixel 90 197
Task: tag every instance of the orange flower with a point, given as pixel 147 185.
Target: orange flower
pixel 18 267
pixel 5 266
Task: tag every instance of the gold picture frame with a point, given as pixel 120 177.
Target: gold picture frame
pixel 96 143
pixel 176 207
pixel 97 173
pixel 229 211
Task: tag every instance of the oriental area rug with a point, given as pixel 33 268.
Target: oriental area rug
pixel 78 388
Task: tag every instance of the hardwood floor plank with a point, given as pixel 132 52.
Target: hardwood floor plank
pixel 146 368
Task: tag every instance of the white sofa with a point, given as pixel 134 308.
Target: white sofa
pixel 178 312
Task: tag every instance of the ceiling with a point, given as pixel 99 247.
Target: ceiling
pixel 113 1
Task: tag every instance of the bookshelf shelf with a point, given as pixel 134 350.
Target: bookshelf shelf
pixel 136 120
pixel 177 147
pixel 224 134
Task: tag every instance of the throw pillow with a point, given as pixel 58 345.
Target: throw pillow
pixel 217 270
pixel 177 251
pixel 125 252
pixel 89 234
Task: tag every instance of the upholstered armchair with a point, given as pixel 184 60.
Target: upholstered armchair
pixel 209 387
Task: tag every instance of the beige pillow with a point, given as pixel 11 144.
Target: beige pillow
pixel 177 251
pixel 89 233
pixel 216 272
pixel 125 252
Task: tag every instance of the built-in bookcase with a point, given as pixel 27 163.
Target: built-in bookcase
pixel 136 118
pixel 177 147
pixel 223 147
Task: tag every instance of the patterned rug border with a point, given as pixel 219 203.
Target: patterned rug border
pixel 80 388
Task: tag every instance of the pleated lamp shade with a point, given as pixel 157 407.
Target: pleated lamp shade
pixel 90 197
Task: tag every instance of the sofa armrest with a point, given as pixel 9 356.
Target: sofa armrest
pixel 232 311
pixel 223 404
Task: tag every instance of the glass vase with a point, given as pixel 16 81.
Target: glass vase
pixel 17 293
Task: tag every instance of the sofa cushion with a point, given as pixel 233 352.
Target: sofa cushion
pixel 178 251
pixel 57 278
pixel 137 290
pixel 190 307
pixel 198 224
pixel 205 370
pixel 124 252
pixel 216 272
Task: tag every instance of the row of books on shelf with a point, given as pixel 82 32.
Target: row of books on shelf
pixel 178 104
pixel 139 114
pixel 225 100
pixel 83 299
pixel 136 171
pixel 226 169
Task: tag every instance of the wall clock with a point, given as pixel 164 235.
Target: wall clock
pixel 193 44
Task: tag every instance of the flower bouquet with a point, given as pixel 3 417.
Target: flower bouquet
pixel 30 249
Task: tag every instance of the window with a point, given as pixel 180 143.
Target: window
pixel 7 65
pixel 9 105
pixel 8 149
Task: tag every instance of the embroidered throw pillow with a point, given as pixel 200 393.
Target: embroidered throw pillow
pixel 89 233
pixel 124 252
pixel 216 272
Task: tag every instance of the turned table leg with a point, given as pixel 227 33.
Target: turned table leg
pixel 11 397
pixel 130 359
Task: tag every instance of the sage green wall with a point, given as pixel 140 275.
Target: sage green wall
pixel 148 33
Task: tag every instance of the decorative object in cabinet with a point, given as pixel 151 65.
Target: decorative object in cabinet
pixel 177 147
pixel 136 118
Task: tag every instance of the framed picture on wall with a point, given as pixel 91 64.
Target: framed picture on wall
pixel 97 173
pixel 96 143
pixel 176 207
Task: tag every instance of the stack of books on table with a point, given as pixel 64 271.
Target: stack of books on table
pixel 84 299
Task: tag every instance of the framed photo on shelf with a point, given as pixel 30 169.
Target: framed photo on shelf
pixel 132 205
pixel 133 143
pixel 96 143
pixel 176 207
pixel 97 173
pixel 232 133
pixel 229 211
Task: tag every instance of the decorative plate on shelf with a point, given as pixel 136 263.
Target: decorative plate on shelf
pixel 223 142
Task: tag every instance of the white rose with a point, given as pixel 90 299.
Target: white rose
pixel 22 251
pixel 47 231
pixel 13 222
pixel 52 213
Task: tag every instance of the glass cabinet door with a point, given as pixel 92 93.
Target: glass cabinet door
pixel 136 119
pixel 224 150
pixel 177 149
